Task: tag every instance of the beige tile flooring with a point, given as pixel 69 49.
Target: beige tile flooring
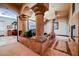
pixel 16 49
pixel 7 40
pixel 58 49
pixel 10 47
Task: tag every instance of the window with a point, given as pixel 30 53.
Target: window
pixel 32 24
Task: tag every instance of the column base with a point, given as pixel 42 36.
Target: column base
pixel 40 39
pixel 38 44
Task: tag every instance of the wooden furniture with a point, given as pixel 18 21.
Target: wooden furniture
pixel 9 32
pixel 12 32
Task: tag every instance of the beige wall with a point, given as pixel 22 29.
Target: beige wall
pixel 77 7
pixel 5 21
pixel 48 27
pixel 62 27
pixel 73 20
pixel 20 24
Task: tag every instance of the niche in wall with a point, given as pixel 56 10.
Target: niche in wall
pixel 73 32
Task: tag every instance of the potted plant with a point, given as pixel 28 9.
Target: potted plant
pixel 15 24
pixel 29 33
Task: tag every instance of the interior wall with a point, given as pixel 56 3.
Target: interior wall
pixel 20 25
pixel 62 27
pixel 2 28
pixel 74 21
pixel 48 27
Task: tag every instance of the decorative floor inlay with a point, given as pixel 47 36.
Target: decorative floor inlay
pixel 62 46
pixel 68 49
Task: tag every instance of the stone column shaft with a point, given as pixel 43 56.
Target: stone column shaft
pixel 39 10
pixel 23 26
pixel 39 24
pixel 23 19
pixel 52 31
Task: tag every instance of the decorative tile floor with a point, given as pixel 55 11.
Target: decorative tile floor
pixel 60 47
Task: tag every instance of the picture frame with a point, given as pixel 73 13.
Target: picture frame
pixel 73 29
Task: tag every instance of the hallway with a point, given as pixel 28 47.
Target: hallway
pixel 45 29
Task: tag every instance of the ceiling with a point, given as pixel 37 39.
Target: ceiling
pixel 60 6
pixel 15 6
pixel 62 9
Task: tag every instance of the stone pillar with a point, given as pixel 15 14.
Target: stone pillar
pixel 23 26
pixel 39 23
pixel 52 31
pixel 23 19
pixel 39 44
pixel 39 10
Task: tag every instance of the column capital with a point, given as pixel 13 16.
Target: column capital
pixel 40 8
pixel 23 17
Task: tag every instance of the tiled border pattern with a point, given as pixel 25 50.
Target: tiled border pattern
pixel 67 47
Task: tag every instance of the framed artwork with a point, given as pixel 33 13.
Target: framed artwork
pixel 73 32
